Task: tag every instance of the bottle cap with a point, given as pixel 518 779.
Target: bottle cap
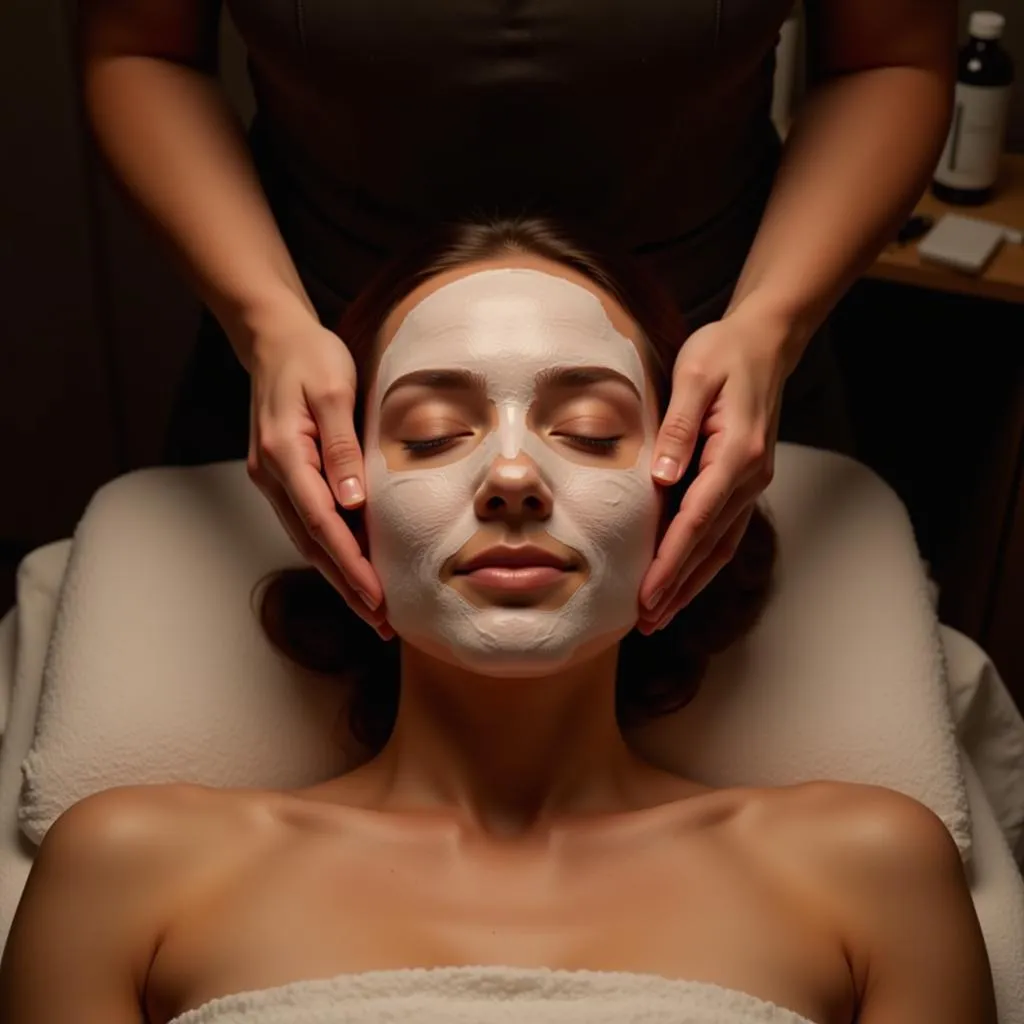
pixel 986 25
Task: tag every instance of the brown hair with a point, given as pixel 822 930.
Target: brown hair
pixel 308 621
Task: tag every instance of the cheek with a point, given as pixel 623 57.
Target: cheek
pixel 407 513
pixel 409 508
pixel 618 511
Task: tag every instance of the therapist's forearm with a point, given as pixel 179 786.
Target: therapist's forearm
pixel 173 141
pixel 856 161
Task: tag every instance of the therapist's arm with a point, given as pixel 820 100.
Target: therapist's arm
pixel 177 147
pixel 173 141
pixel 858 156
pixel 860 153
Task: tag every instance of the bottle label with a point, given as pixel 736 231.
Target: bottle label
pixel 974 145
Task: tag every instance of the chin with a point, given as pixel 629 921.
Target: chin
pixel 512 664
pixel 518 653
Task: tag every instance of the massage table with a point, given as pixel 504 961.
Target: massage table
pixel 126 605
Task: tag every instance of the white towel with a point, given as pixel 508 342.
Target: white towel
pixel 492 995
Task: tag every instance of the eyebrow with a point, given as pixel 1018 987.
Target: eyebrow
pixel 583 376
pixel 466 380
pixel 452 380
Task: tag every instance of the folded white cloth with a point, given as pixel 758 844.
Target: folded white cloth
pixel 991 730
pixel 998 895
pixel 492 995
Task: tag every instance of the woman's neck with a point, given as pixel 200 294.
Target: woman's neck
pixel 508 756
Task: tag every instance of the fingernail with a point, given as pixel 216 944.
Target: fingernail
pixel 654 600
pixel 666 469
pixel 372 603
pixel 351 492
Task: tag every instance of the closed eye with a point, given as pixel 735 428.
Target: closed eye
pixel 602 445
pixel 432 445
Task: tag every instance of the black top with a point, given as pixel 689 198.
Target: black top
pixel 648 117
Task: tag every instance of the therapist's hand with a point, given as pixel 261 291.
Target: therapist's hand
pixel 726 386
pixel 304 455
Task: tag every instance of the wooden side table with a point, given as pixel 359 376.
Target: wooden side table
pixel 983 588
pixel 1003 278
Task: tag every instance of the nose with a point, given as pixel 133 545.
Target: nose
pixel 513 491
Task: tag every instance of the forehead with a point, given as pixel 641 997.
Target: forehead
pixel 508 323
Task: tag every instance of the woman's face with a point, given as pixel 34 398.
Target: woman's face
pixel 510 508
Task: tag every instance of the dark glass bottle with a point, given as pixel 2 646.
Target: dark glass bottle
pixel 969 165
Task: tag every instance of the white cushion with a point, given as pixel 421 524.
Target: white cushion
pixel 158 670
pixel 39 582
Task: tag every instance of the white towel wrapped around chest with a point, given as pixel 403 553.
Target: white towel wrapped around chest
pixel 492 995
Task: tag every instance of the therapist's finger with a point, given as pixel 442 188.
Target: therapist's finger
pixel 318 558
pixel 283 454
pixel 737 506
pixel 651 619
pixel 711 565
pixel 692 394
pixel 342 456
pixel 312 500
pixel 703 503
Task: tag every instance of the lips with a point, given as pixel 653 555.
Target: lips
pixel 525 556
pixel 522 568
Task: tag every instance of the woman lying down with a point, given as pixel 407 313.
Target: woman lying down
pixel 503 855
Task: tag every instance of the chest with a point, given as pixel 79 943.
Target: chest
pixel 317 911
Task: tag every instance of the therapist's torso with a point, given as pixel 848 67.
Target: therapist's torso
pixel 648 118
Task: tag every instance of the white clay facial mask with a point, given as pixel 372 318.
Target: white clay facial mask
pixel 508 328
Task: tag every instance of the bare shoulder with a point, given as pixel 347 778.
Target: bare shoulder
pixel 859 803
pixel 150 843
pixel 891 874
pixel 852 835
pixel 870 829
pixel 103 884
pixel 128 821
